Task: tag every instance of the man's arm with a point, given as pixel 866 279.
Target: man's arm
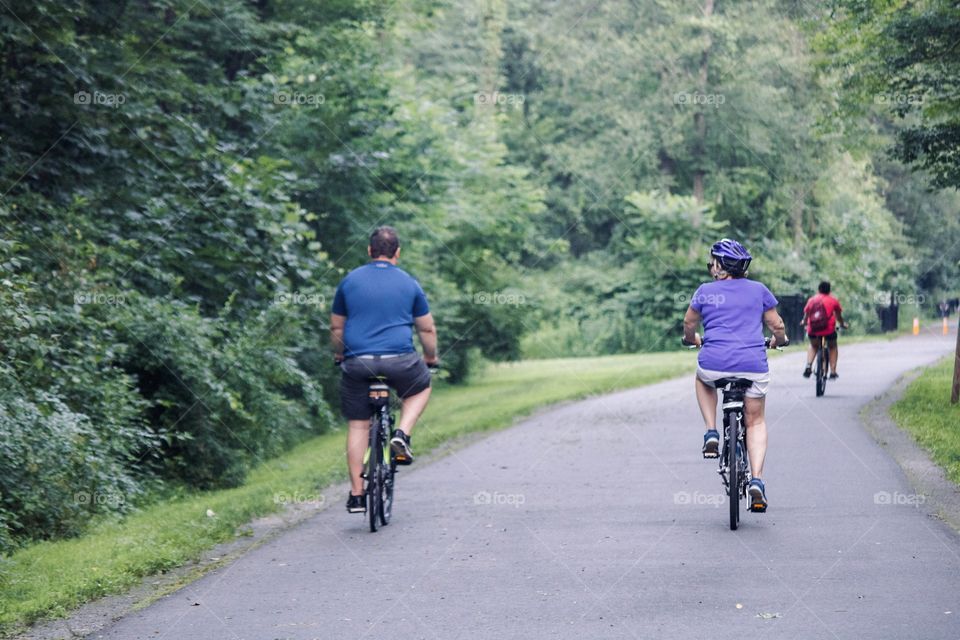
pixel 775 323
pixel 839 314
pixel 690 323
pixel 337 323
pixel 428 337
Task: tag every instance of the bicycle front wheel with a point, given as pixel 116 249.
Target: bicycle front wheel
pixel 733 469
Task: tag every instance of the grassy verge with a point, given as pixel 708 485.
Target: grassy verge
pixel 926 413
pixel 49 579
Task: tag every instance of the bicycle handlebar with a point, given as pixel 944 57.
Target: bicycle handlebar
pixel 766 344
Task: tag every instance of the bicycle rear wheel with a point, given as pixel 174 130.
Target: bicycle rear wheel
pixel 733 469
pixel 374 480
pixel 821 371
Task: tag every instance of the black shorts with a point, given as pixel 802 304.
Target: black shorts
pixel 832 337
pixel 406 374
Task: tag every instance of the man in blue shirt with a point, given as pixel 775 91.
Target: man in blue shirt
pixel 374 310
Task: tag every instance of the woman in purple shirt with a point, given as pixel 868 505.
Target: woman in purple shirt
pixel 733 310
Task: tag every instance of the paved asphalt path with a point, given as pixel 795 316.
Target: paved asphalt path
pixel 599 519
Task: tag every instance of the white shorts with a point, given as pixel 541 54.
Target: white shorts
pixel 757 390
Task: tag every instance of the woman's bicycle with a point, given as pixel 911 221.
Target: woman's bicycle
pixel 734 466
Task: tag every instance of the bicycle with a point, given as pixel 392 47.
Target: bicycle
pixel 821 364
pixel 734 463
pixel 380 463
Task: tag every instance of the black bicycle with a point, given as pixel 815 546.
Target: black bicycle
pixel 380 463
pixel 379 466
pixel 734 467
pixel 821 364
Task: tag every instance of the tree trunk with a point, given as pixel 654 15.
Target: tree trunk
pixel 699 118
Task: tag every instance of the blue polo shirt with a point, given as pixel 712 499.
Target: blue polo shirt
pixel 380 301
pixel 732 312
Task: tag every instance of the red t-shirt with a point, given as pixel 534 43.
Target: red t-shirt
pixel 831 305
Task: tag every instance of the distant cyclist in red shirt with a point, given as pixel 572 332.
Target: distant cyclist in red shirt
pixel 821 315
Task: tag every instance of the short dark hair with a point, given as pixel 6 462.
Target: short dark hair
pixel 384 242
pixel 824 287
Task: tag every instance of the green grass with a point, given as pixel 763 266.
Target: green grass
pixel 50 579
pixel 926 413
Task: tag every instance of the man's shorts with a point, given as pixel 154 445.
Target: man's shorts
pixel 831 337
pixel 757 390
pixel 406 374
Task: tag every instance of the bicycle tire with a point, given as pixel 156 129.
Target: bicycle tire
pixel 374 497
pixel 733 470
pixel 821 371
pixel 387 468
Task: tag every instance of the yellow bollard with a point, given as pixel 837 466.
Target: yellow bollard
pixel 916 326
pixel 946 328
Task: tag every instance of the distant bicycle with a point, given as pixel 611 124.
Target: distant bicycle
pixel 734 466
pixel 821 364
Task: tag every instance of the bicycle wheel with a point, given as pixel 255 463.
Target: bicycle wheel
pixel 733 469
pixel 821 371
pixel 374 496
pixel 387 469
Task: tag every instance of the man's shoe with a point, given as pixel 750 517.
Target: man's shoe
pixel 400 445
pixel 834 376
pixel 711 444
pixel 807 372
pixel 356 504
pixel 757 493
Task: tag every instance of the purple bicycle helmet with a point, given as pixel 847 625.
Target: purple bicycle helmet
pixel 732 256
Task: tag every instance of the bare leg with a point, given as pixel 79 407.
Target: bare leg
pixel 834 354
pixel 413 406
pixel 358 437
pixel 753 409
pixel 707 399
pixel 812 350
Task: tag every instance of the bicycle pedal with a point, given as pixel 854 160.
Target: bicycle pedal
pixel 402 460
pixel 758 507
pixel 711 456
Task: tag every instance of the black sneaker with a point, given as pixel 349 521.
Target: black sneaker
pixel 356 504
pixel 834 376
pixel 711 444
pixel 807 372
pixel 757 493
pixel 400 445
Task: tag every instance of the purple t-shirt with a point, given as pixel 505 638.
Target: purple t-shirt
pixel 732 312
